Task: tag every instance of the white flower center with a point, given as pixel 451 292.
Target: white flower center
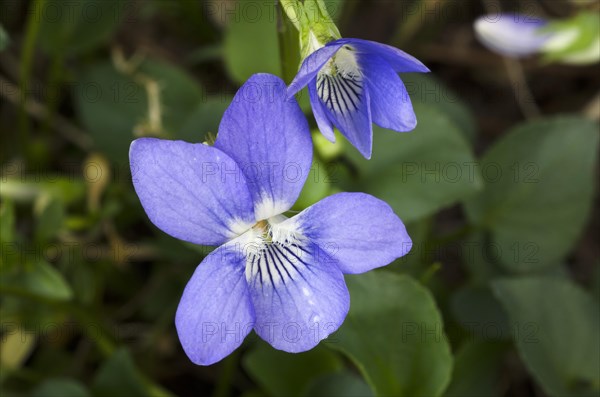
pixel 343 62
pixel 340 82
pixel 274 251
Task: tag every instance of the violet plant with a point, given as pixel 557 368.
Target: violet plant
pixel 454 260
pixel 281 277
pixel 272 273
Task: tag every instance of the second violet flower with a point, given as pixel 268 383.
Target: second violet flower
pixel 353 83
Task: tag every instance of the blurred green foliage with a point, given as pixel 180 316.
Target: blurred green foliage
pixel 525 204
pixel 282 374
pixel 434 166
pixel 549 329
pixel 89 287
pixel 407 354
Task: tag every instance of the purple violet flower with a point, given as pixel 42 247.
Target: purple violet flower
pixel 353 83
pixel 282 277
pixel 512 35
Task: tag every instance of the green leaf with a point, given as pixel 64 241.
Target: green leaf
pixel 420 172
pixel 427 90
pixel 110 105
pixel 284 374
pixel 478 370
pixel 556 325
pixel 63 387
pixel 15 347
pixel 343 384
pixel 538 191
pixel 40 278
pixel 204 119
pixel 251 44
pixel 394 334
pixel 50 214
pixel 118 376
pixel 114 107
pixel 7 222
pixel 417 260
pixel 180 93
pixel 596 283
pixel 4 39
pixel 480 258
pixel 479 312
pixel 78 26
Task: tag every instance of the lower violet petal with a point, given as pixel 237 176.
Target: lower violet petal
pixel 299 295
pixel 347 104
pixel 215 313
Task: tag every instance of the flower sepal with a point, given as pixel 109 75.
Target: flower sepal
pixel 315 25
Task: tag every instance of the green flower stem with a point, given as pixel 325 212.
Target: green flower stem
pixel 31 34
pixel 289 46
pixel 430 272
pixel 291 8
